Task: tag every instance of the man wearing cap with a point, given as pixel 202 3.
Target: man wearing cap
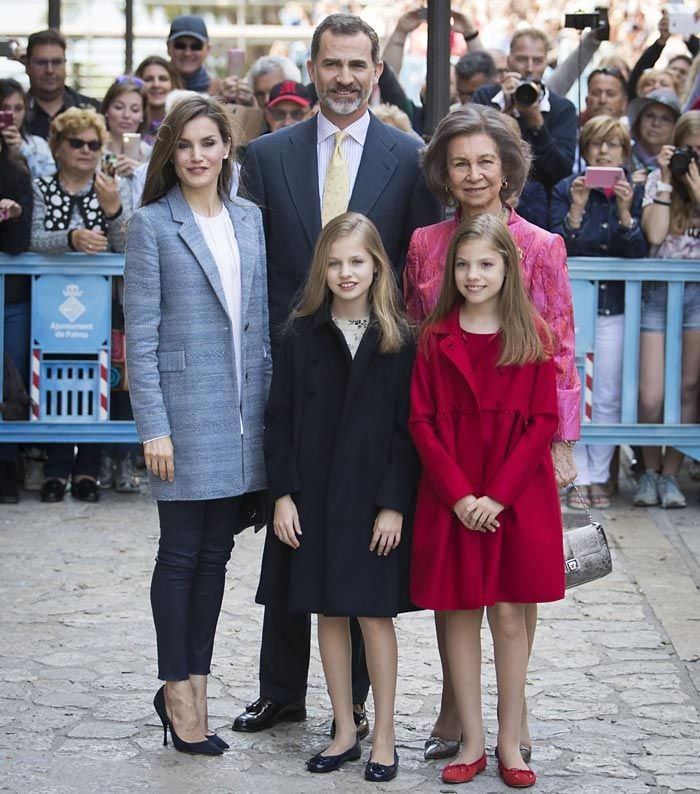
pixel 378 169
pixel 188 48
pixel 289 104
pixel 652 118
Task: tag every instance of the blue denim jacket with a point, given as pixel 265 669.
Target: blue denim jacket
pixel 600 235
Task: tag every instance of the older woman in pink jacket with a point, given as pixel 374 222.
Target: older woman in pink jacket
pixel 479 163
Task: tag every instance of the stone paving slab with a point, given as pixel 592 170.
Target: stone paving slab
pixel 612 686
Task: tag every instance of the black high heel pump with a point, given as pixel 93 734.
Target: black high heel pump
pixel 195 748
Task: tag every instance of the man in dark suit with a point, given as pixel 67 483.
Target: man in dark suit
pixel 288 174
pixel 547 121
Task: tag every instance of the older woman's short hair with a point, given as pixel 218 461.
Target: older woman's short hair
pixel 604 128
pixel 74 121
pixel 515 154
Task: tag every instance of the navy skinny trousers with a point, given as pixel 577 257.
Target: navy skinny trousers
pixel 196 539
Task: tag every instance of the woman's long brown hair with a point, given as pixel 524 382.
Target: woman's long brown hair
pixel 161 176
pixel 524 334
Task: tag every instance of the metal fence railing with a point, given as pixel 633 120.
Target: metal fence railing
pixel 584 272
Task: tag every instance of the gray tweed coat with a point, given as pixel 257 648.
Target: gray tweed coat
pixel 180 356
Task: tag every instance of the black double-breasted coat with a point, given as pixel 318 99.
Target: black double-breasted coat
pixel 336 440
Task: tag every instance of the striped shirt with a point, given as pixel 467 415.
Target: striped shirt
pixel 352 147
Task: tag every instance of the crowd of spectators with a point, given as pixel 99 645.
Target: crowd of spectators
pixel 72 169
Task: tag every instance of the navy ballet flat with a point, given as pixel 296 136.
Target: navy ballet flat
pixel 329 763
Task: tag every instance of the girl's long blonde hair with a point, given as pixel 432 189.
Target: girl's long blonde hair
pixel 682 205
pixel 384 297
pixel 524 334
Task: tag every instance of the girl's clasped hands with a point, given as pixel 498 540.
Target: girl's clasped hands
pixel 478 514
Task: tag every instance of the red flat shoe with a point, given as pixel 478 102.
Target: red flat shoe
pixel 517 778
pixel 463 773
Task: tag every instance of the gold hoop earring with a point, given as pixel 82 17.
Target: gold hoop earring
pixel 448 189
pixel 504 183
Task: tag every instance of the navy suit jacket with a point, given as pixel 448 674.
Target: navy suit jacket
pixel 280 174
pixel 554 146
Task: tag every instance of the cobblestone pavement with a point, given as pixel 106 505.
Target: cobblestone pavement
pixel 613 684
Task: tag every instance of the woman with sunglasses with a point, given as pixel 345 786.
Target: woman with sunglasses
pixel 124 109
pixel 159 80
pixel 78 209
pixel 16 135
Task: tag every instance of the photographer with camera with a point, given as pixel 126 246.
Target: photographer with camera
pixel 651 119
pixel 547 121
pixel 671 223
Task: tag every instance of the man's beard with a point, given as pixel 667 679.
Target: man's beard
pixel 345 106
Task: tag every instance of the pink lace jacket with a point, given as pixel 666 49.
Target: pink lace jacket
pixel 546 280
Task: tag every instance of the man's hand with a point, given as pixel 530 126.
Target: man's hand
pixel 236 91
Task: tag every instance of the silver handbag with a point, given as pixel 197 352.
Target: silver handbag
pixel 586 552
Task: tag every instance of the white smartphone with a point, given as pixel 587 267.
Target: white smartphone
pixel 603 177
pixel 131 145
pixel 681 20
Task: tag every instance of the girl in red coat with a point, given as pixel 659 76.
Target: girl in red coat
pixel 488 530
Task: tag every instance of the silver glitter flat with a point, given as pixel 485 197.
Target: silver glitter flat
pixel 525 753
pixel 436 748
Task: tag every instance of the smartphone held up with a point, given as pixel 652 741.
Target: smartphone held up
pixel 236 62
pixel 603 177
pixel 108 165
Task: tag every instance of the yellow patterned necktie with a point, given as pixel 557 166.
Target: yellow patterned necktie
pixel 336 189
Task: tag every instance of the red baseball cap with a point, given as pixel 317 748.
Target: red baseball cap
pixel 289 91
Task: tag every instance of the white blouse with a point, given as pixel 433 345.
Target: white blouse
pixel 220 237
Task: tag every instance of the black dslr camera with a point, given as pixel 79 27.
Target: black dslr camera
pixel 681 159
pixel 528 92
pixel 597 21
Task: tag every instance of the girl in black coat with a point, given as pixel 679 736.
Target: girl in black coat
pixel 342 470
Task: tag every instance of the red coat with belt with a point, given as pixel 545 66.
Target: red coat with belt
pixel 485 430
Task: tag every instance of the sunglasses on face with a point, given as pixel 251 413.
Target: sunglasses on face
pixel 195 46
pixel 79 143
pixel 281 115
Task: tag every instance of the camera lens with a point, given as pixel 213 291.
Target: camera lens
pixel 526 94
pixel 680 161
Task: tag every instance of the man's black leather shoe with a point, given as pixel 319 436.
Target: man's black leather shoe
pixel 265 713
pixel 361 722
pixel 52 490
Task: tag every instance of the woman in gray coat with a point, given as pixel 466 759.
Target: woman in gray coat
pixel 199 368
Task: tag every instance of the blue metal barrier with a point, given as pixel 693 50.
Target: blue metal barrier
pixel 584 273
pixel 70 405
